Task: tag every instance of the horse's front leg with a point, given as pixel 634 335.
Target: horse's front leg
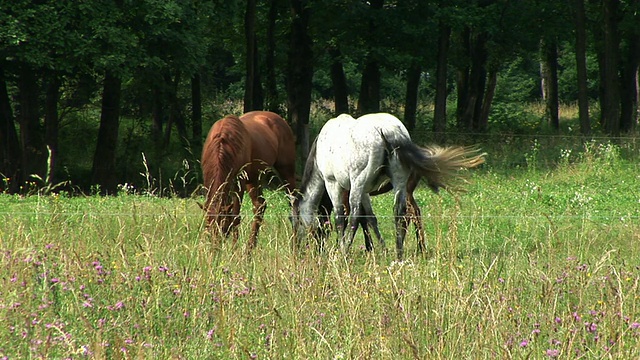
pixel 400 216
pixel 236 203
pixel 335 193
pixel 259 208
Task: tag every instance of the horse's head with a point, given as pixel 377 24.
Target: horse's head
pixel 221 219
pixel 303 221
pixel 310 223
pixel 223 224
pixel 294 217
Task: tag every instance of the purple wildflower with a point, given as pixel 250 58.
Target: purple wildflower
pixel 552 353
pixel 576 317
pixel 591 327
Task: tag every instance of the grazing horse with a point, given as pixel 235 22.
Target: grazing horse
pixel 361 155
pixel 237 152
pixel 413 211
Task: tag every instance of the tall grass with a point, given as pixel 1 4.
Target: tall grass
pixel 539 260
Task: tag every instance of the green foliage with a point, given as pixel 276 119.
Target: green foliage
pixel 513 117
pixel 519 81
pixel 567 90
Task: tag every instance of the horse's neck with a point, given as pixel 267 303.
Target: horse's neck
pixel 311 197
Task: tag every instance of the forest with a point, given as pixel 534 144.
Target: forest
pixel 92 91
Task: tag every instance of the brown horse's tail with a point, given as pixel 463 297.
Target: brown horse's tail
pixel 438 165
pixel 224 153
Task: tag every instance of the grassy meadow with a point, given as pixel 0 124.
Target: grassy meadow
pixel 540 258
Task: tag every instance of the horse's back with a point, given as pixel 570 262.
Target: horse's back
pixel 273 143
pixel 272 138
pixel 335 136
pixel 347 151
pixel 356 150
pixel 365 132
pixel 393 129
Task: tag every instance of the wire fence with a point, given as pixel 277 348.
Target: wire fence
pixel 288 216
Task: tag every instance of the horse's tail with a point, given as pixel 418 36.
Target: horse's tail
pixel 223 156
pixel 438 165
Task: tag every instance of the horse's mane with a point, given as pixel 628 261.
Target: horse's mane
pixel 222 160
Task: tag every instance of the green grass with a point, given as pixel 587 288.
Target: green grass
pixel 539 258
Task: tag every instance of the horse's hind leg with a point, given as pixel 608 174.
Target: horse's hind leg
pixel 369 218
pixel 361 220
pixel 414 211
pixel 400 215
pixel 259 207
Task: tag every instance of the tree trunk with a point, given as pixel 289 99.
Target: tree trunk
pixel 462 87
pixel 471 81
pixel 478 79
pixel 33 152
pixel 253 90
pixel 104 160
pixel 272 101
pixel 157 116
pixel 490 91
pixel 440 111
pixel 581 67
pixel 411 99
pixel 300 73
pixel 339 82
pixel 629 81
pixel 463 81
pixel 550 76
pixel 196 114
pixel 10 155
pixel 611 87
pixel 175 116
pixel 51 121
pixel 369 100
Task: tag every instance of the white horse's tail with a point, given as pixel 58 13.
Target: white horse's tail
pixel 437 165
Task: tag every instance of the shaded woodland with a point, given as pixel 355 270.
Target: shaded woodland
pixel 71 72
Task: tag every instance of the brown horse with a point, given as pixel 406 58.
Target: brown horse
pixel 237 152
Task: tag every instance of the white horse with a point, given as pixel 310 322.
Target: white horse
pixel 359 156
